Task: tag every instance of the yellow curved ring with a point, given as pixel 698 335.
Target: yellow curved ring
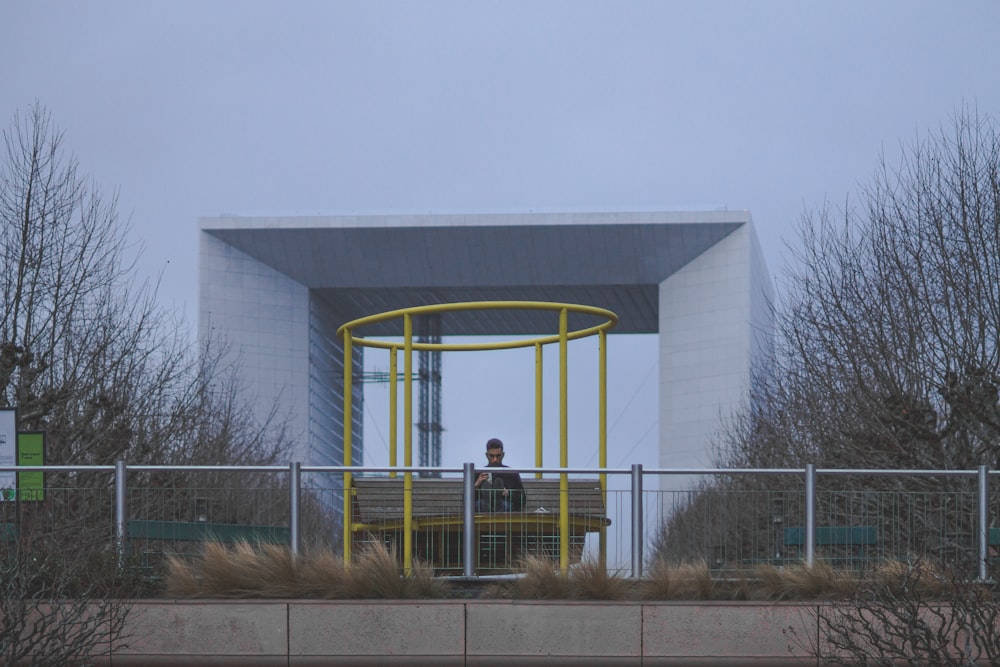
pixel 612 320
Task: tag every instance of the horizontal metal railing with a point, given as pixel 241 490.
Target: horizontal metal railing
pixel 960 515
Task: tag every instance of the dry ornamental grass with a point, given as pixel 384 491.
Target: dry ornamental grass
pixel 246 570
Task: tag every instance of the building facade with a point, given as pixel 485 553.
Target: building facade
pixel 276 289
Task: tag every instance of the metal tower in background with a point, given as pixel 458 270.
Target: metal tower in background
pixel 429 366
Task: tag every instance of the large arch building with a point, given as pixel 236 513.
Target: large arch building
pixel 277 289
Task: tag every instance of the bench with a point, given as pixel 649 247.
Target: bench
pixel 503 537
pixel 185 531
pixel 850 542
pixel 150 560
pixel 201 531
pixel 8 532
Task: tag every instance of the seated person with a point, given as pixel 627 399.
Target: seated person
pixel 498 491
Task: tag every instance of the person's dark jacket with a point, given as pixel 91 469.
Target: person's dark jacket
pixel 492 491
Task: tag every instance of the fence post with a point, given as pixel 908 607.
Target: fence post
pixel 294 505
pixel 468 518
pixel 121 513
pixel 984 522
pixel 810 514
pixel 637 522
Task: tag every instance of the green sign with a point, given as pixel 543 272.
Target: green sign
pixel 31 452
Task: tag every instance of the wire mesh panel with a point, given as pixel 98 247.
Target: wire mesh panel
pixel 174 513
pixel 725 528
pixel 857 521
pixel 76 513
pixel 731 521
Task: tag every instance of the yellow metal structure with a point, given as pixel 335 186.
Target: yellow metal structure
pixel 562 338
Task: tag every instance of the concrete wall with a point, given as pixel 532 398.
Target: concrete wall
pixel 714 328
pixel 455 632
pixel 263 316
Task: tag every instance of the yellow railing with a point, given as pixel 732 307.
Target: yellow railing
pixel 348 333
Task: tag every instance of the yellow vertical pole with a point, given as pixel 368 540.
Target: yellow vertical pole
pixel 348 425
pixel 602 418
pixel 408 444
pixel 563 443
pixel 393 402
pixel 538 408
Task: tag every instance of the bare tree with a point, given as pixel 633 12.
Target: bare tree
pixel 88 357
pixel 58 611
pixel 888 354
pixel 911 614
pixel 81 348
pixel 892 316
pixel 86 354
pixel 892 326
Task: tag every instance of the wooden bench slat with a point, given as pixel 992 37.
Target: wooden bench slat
pixel 381 498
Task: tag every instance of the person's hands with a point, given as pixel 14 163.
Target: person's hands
pixel 483 476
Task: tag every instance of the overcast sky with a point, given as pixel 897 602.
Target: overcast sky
pixel 202 108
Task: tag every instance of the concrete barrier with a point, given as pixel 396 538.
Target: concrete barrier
pixel 474 633
pixel 376 633
pixel 571 633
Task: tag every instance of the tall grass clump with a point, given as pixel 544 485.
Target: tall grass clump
pixel 686 581
pixel 916 576
pixel 246 570
pixel 324 575
pixel 591 581
pixel 541 581
pixel 802 582
pixel 376 575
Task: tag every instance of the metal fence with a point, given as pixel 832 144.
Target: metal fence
pixel 729 519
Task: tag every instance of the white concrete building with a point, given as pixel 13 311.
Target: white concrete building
pixel 277 288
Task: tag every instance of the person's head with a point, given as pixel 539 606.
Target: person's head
pixel 494 452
